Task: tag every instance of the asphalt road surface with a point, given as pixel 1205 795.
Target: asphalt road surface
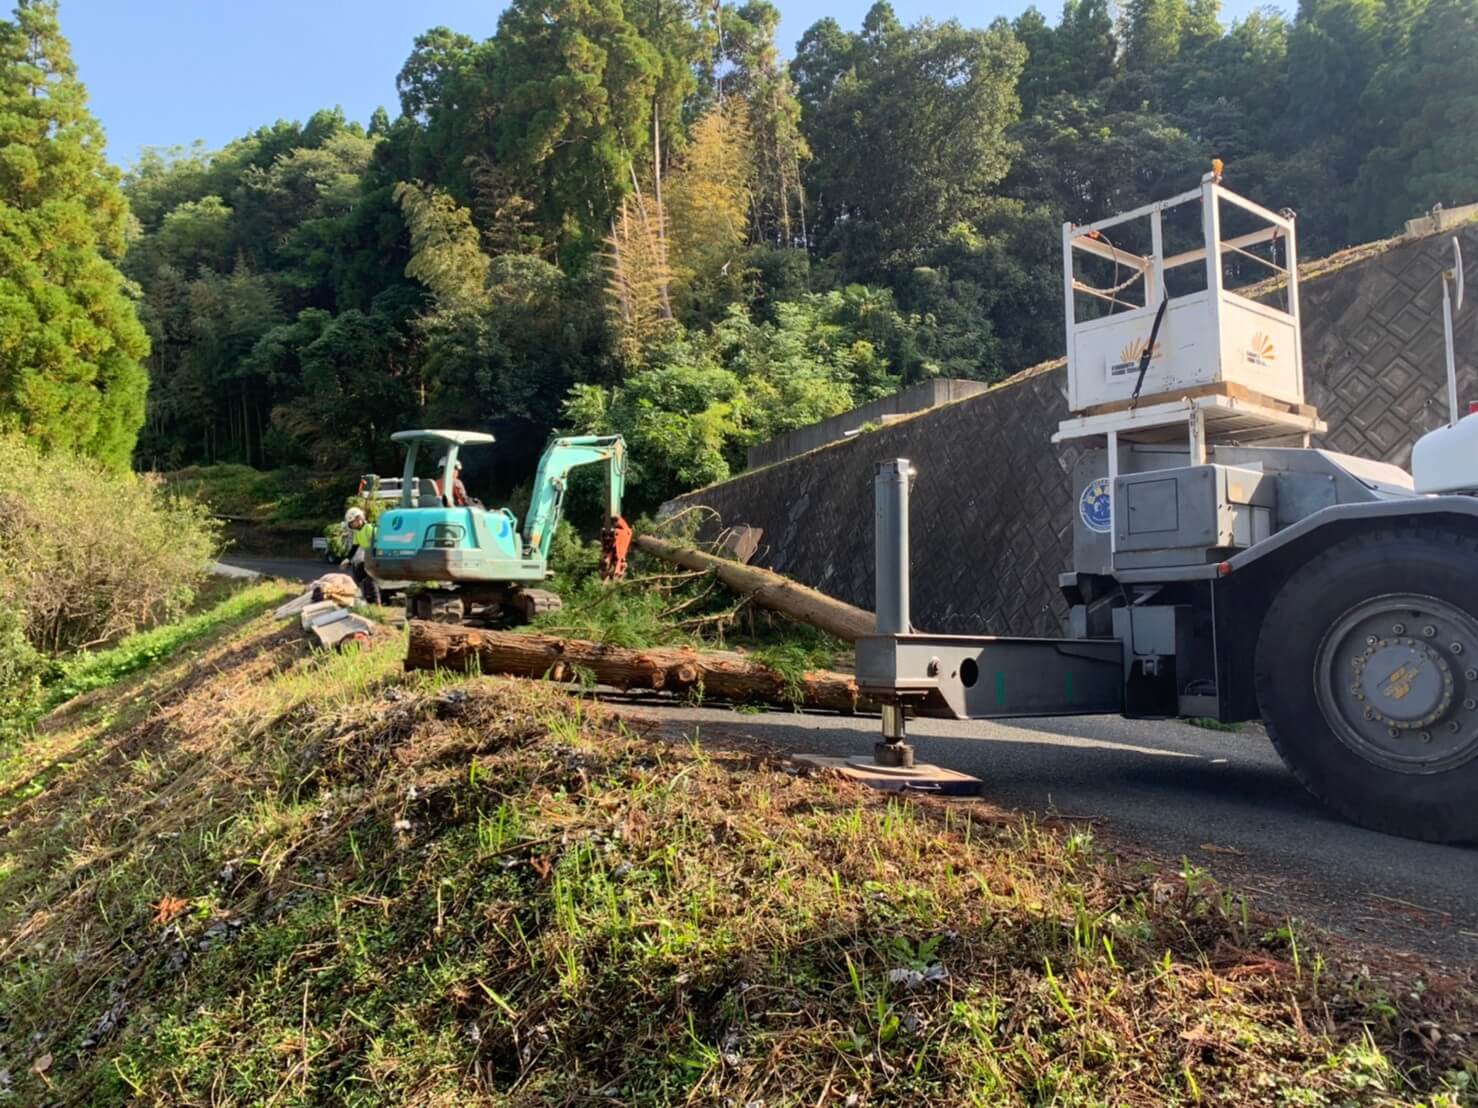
pixel 294 569
pixel 1222 800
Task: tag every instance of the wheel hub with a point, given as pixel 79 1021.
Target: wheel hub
pixel 1406 684
pixel 1394 682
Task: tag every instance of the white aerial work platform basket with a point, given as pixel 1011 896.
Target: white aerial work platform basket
pixel 1161 345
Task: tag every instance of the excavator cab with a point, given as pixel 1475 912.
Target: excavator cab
pixel 476 556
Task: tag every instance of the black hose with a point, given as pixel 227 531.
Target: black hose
pixel 1147 354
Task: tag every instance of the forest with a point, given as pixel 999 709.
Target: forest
pixel 650 216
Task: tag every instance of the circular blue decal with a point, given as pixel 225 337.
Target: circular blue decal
pixel 1094 505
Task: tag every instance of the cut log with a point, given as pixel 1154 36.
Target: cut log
pixel 769 590
pixel 720 675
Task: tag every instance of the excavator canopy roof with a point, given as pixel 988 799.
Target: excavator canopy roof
pixel 443 438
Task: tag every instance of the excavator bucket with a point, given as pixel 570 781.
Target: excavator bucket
pixel 615 541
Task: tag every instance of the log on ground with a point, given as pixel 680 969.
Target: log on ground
pixel 720 675
pixel 769 590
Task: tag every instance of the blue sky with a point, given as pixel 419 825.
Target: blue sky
pixel 167 72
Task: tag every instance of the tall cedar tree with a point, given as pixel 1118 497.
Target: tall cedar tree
pixel 908 131
pixel 575 83
pixel 70 341
pixel 757 76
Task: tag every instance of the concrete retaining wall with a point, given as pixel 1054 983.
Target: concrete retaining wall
pixel 991 521
pixel 915 398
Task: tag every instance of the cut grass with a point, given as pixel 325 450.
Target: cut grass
pixel 304 878
pixel 95 669
pixel 26 767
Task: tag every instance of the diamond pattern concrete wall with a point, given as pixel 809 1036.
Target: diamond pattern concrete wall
pixel 1373 360
pixel 992 510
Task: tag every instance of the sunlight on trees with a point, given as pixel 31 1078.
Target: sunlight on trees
pixel 638 217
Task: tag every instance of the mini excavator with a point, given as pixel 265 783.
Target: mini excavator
pixel 476 559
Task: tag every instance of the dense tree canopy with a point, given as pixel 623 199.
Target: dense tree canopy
pixel 70 341
pixel 635 215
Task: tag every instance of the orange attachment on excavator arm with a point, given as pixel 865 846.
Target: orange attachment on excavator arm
pixel 615 541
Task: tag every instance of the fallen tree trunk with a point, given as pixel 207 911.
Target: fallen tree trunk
pixel 721 675
pixel 769 590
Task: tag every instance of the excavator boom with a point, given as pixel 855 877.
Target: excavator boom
pixel 552 481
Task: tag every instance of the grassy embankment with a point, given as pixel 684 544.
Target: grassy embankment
pixel 271 512
pixel 250 873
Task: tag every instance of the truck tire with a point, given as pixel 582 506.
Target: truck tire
pixel 1367 678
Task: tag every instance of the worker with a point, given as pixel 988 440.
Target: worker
pixel 459 490
pixel 361 534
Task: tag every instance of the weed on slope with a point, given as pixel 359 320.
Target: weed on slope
pixel 310 879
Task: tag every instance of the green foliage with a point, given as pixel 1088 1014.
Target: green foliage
pixel 681 420
pixel 634 215
pixel 22 668
pixel 87 555
pixel 757 78
pixel 515 354
pixel 260 496
pixel 936 98
pixel 359 384
pixel 446 254
pixel 656 606
pixel 243 256
pixel 575 82
pixel 704 396
pixel 601 612
pixel 1423 105
pixel 70 340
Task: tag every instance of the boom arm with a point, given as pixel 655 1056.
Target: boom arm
pixel 551 481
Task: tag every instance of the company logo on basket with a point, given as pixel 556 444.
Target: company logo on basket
pixel 1129 357
pixel 1261 351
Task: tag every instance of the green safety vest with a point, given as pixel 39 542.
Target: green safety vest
pixel 365 535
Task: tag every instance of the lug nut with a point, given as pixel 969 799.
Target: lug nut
pixel 1392 732
pixel 1369 713
pixel 1370 640
pixel 1426 736
pixel 1429 631
pixel 1398 629
pixel 1470 704
pixel 1452 726
pixel 1456 648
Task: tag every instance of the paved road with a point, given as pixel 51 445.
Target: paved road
pixel 294 569
pixel 1175 789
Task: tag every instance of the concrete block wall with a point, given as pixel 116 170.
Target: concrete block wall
pixel 915 398
pixel 992 508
